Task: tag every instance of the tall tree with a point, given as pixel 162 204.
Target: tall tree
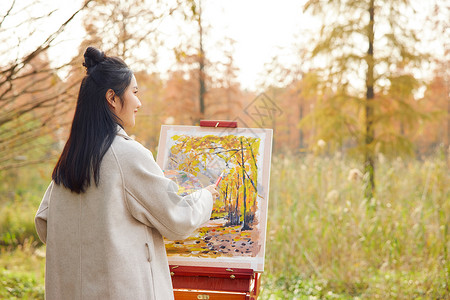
pixel 197 51
pixel 435 134
pixel 181 90
pixel 224 98
pixel 31 93
pixel 201 61
pixel 193 44
pixel 363 47
pixel 129 28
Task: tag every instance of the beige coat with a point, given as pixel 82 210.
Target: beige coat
pixel 107 243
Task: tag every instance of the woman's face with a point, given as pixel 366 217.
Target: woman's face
pixel 127 111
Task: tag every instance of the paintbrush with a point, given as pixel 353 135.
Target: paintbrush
pixel 220 178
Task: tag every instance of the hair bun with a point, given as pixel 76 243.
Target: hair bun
pixel 92 57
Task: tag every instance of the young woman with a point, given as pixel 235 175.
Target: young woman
pixel 104 215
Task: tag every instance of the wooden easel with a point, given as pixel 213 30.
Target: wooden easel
pixel 193 282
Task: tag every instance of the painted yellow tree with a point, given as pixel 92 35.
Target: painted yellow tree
pixel 209 155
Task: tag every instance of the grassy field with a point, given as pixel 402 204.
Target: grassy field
pixel 325 241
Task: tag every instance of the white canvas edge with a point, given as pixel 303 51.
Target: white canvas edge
pixel 254 263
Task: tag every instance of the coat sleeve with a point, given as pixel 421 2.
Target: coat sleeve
pixel 153 200
pixel 40 219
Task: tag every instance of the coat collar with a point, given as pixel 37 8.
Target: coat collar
pixel 121 132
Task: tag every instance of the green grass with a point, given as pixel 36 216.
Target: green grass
pixel 21 192
pixel 321 229
pixel 22 272
pixel 324 240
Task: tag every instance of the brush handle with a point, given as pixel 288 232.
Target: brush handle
pixel 218 180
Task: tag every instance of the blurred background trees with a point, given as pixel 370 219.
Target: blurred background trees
pixel 367 84
pixel 357 87
pixel 32 95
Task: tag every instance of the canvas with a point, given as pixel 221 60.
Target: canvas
pixel 194 157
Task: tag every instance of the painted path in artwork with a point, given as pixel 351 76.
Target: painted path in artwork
pixel 216 240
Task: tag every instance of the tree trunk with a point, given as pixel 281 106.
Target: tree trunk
pixel 447 145
pixel 245 218
pixel 227 202
pixel 300 117
pixel 369 162
pixel 234 215
pixel 201 66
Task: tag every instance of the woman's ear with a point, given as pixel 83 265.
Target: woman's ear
pixel 111 98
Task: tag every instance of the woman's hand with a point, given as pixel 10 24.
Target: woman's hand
pixel 213 189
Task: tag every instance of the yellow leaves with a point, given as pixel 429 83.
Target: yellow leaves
pixel 238 153
pixel 175 150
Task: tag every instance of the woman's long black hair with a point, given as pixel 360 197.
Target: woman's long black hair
pixel 94 125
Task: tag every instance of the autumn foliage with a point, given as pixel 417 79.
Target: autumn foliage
pixel 239 187
pixel 308 109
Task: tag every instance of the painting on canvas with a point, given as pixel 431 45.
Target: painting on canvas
pixel 194 157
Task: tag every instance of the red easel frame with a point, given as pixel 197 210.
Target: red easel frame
pixel 192 283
